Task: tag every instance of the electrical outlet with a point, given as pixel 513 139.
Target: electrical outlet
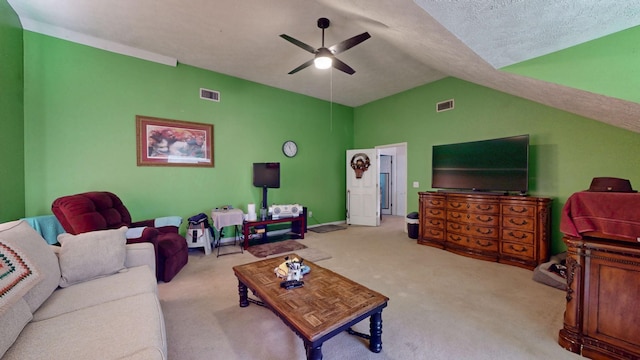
pixel 310 213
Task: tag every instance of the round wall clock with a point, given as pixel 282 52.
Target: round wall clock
pixel 290 148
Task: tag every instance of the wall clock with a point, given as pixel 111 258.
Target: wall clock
pixel 290 148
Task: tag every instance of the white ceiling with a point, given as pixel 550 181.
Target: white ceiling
pixel 411 44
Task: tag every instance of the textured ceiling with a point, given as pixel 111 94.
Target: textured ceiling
pixel 412 43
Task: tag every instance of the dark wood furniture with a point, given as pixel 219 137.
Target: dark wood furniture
pixel 297 225
pixel 602 230
pixel 602 320
pixel 326 305
pixel 514 230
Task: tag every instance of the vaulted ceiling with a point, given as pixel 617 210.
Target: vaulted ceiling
pixel 412 42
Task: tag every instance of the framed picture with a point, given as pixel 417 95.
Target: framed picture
pixel 164 142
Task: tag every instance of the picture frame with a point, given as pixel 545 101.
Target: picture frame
pixel 166 142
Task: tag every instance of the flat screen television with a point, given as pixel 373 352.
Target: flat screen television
pixel 494 165
pixel 266 174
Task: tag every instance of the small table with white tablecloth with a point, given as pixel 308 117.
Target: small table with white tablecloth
pixel 224 218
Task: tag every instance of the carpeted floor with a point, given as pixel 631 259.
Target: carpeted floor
pixel 442 306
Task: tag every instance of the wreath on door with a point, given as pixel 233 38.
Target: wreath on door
pixel 360 163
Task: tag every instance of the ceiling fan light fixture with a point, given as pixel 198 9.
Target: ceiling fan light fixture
pixel 322 62
pixel 323 59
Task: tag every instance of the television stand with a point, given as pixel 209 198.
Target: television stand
pixel 514 230
pixel 247 225
pixel 474 192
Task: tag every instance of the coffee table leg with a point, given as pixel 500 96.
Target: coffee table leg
pixel 375 328
pixel 313 353
pixel 242 291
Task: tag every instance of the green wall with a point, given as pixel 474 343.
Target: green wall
pixel 608 65
pixel 12 190
pixel 80 108
pixel 567 150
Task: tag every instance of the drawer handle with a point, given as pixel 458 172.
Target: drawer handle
pixel 435 222
pixel 523 249
pixel 484 207
pixel 523 236
pixel 456 216
pixel 487 244
pixel 434 203
pixel 521 210
pixel 456 238
pixel 485 232
pixel 486 220
pixel 434 212
pixel 455 227
pixel 434 233
pixel 524 222
pixel 455 205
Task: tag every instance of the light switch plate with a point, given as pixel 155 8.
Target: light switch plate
pixel 416 184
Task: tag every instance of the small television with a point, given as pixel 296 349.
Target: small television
pixel 494 165
pixel 266 174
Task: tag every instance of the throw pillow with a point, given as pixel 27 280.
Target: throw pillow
pixel 91 255
pixel 17 275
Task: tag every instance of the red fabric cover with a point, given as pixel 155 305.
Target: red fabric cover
pixel 616 214
pixel 102 210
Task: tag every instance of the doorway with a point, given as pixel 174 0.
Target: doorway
pixel 396 155
pixel 386 205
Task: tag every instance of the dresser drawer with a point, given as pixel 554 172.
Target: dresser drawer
pixel 518 236
pixel 434 203
pixel 473 243
pixel 434 222
pixel 473 230
pixel 434 213
pixel 468 218
pixel 433 233
pixel 518 222
pixel 517 249
pixel 476 207
pixel 518 210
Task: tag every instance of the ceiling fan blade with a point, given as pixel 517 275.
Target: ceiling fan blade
pixel 298 43
pixel 342 66
pixel 349 43
pixel 301 67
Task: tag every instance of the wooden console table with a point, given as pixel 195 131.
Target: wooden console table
pixel 602 231
pixel 247 225
pixel 514 230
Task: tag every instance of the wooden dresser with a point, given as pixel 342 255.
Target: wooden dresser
pixel 602 234
pixel 513 230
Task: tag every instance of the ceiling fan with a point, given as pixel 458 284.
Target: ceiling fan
pixel 325 57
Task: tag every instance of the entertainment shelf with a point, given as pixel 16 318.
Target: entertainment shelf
pixel 514 230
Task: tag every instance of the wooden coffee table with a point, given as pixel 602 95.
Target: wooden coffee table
pixel 326 305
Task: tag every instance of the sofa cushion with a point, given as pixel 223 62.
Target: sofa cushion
pixel 18 274
pixel 20 235
pixel 13 321
pixel 112 330
pixel 132 281
pixel 91 255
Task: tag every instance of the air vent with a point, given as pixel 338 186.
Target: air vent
pixel 210 95
pixel 444 105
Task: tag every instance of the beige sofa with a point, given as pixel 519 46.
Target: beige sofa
pixel 92 298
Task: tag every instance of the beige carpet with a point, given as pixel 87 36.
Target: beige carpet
pixel 442 305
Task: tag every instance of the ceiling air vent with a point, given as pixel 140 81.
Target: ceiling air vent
pixel 444 105
pixel 211 95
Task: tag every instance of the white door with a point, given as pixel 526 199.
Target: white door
pixel 363 187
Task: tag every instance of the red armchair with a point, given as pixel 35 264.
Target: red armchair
pixel 94 211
